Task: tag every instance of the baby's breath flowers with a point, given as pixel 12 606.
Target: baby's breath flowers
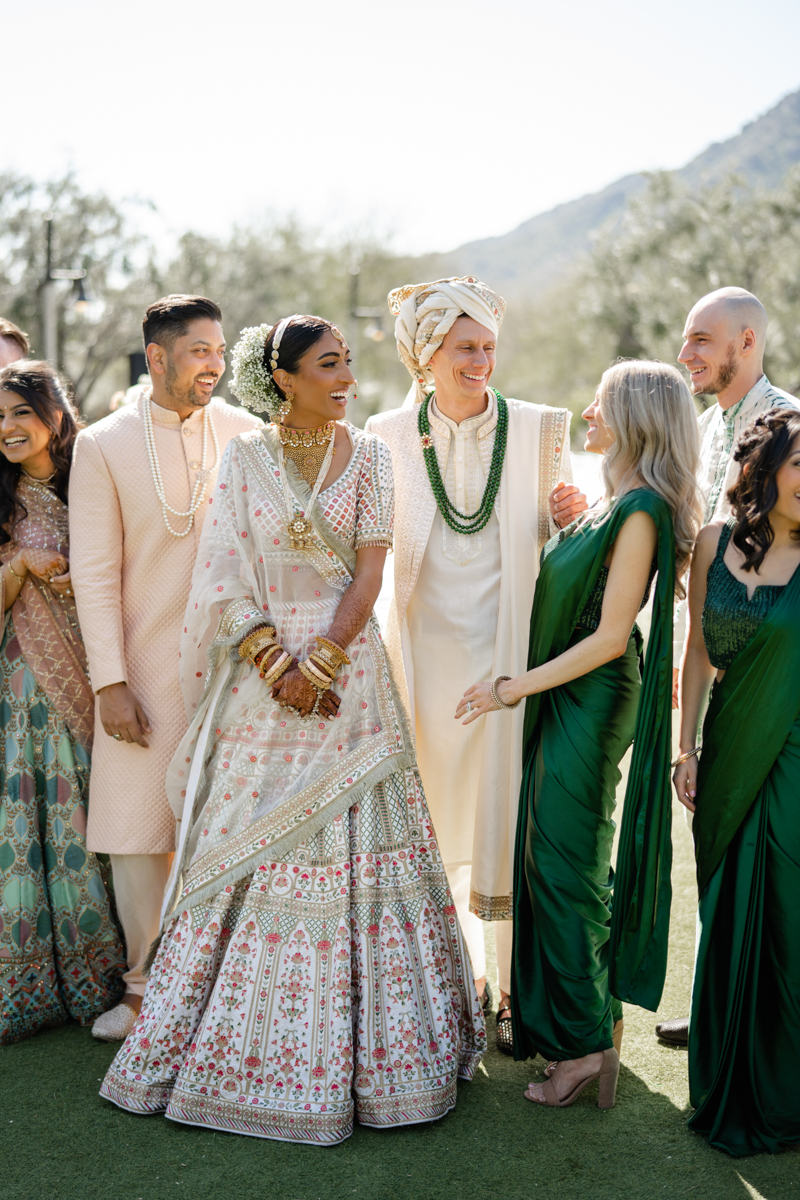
pixel 252 382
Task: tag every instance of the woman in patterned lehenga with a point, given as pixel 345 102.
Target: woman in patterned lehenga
pixel 60 951
pixel 311 966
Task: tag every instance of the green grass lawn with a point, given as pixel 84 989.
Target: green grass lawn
pixel 61 1141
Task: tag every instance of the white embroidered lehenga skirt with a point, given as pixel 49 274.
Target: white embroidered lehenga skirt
pixel 329 985
pixel 298 989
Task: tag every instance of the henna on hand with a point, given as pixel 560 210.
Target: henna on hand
pixel 44 563
pixel 294 691
pixel 353 612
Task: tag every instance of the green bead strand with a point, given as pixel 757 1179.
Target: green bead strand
pixel 459 522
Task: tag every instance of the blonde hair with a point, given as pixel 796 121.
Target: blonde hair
pixel 649 410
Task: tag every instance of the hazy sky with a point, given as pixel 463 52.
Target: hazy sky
pixel 435 122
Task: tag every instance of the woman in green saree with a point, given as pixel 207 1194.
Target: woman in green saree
pixel 744 608
pixel 586 701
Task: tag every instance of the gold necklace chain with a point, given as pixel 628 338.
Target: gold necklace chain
pixel 307 448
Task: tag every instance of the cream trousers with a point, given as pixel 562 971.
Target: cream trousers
pixel 139 882
pixel 473 929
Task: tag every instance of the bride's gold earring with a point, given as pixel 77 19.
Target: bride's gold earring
pixel 285 407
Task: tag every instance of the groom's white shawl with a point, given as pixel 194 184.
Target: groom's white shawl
pixel 537 457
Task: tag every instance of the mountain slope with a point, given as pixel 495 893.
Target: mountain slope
pixel 526 260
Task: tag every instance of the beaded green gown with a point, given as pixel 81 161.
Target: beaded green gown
pixel 744 1034
pixel 572 965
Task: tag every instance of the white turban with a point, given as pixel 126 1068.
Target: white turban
pixel 426 312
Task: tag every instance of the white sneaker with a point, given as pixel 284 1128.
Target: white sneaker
pixel 116 1024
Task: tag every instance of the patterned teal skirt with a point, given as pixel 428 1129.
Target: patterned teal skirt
pixel 61 953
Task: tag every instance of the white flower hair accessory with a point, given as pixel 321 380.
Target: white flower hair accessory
pixel 252 381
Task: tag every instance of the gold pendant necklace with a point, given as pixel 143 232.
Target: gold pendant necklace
pixel 306 443
pixel 307 449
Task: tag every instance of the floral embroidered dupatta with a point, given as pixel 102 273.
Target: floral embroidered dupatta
pixel 46 624
pixel 250 780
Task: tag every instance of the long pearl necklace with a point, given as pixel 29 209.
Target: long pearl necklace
pixel 201 482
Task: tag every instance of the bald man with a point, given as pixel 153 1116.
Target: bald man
pixel 723 351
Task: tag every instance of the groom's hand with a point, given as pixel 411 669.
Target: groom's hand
pixel 566 503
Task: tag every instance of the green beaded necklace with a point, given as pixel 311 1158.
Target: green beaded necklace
pixel 458 521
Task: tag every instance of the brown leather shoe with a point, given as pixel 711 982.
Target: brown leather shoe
pixel 675 1031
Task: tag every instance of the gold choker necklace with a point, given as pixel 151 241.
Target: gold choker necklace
pixel 307 448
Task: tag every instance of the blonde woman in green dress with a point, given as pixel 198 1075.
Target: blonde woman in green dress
pixel 586 700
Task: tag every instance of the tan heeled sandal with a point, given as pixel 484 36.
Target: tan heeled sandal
pixel 607 1074
pixel 616 1037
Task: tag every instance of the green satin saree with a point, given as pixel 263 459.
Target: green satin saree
pixel 572 957
pixel 744 1039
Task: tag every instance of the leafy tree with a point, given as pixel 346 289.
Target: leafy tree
pixel 261 273
pixel 89 232
pixel 674 245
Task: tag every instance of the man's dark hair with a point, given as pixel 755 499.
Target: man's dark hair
pixel 9 330
pixel 168 319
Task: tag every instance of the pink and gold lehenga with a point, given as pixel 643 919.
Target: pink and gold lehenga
pixel 312 968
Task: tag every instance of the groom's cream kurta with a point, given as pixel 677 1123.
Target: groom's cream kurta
pixel 461 613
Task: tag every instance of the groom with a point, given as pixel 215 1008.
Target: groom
pixel 473 478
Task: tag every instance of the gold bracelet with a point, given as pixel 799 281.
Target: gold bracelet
pixel 330 651
pixel 315 682
pixel 325 666
pixel 263 669
pixel 19 578
pixel 262 639
pixel 495 696
pixel 277 670
pixel 322 676
pixel 245 646
pixel 682 758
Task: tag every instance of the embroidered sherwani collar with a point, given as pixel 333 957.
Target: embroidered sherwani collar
pixel 484 422
pixel 168 416
pixel 747 404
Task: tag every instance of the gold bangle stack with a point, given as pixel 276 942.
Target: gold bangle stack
pixel 19 578
pixel 281 665
pixel 329 655
pixel 259 639
pixel 315 677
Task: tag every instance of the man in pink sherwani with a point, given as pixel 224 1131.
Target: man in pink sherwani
pixel 138 492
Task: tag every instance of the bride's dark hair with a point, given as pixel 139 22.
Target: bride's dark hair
pixel 298 338
pixel 762 451
pixel 37 384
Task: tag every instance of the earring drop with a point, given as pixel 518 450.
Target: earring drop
pixel 285 408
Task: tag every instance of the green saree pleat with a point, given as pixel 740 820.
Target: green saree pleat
pixel 744 1038
pixel 572 957
pixel 569 785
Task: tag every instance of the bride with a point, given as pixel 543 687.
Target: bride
pixel 311 966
